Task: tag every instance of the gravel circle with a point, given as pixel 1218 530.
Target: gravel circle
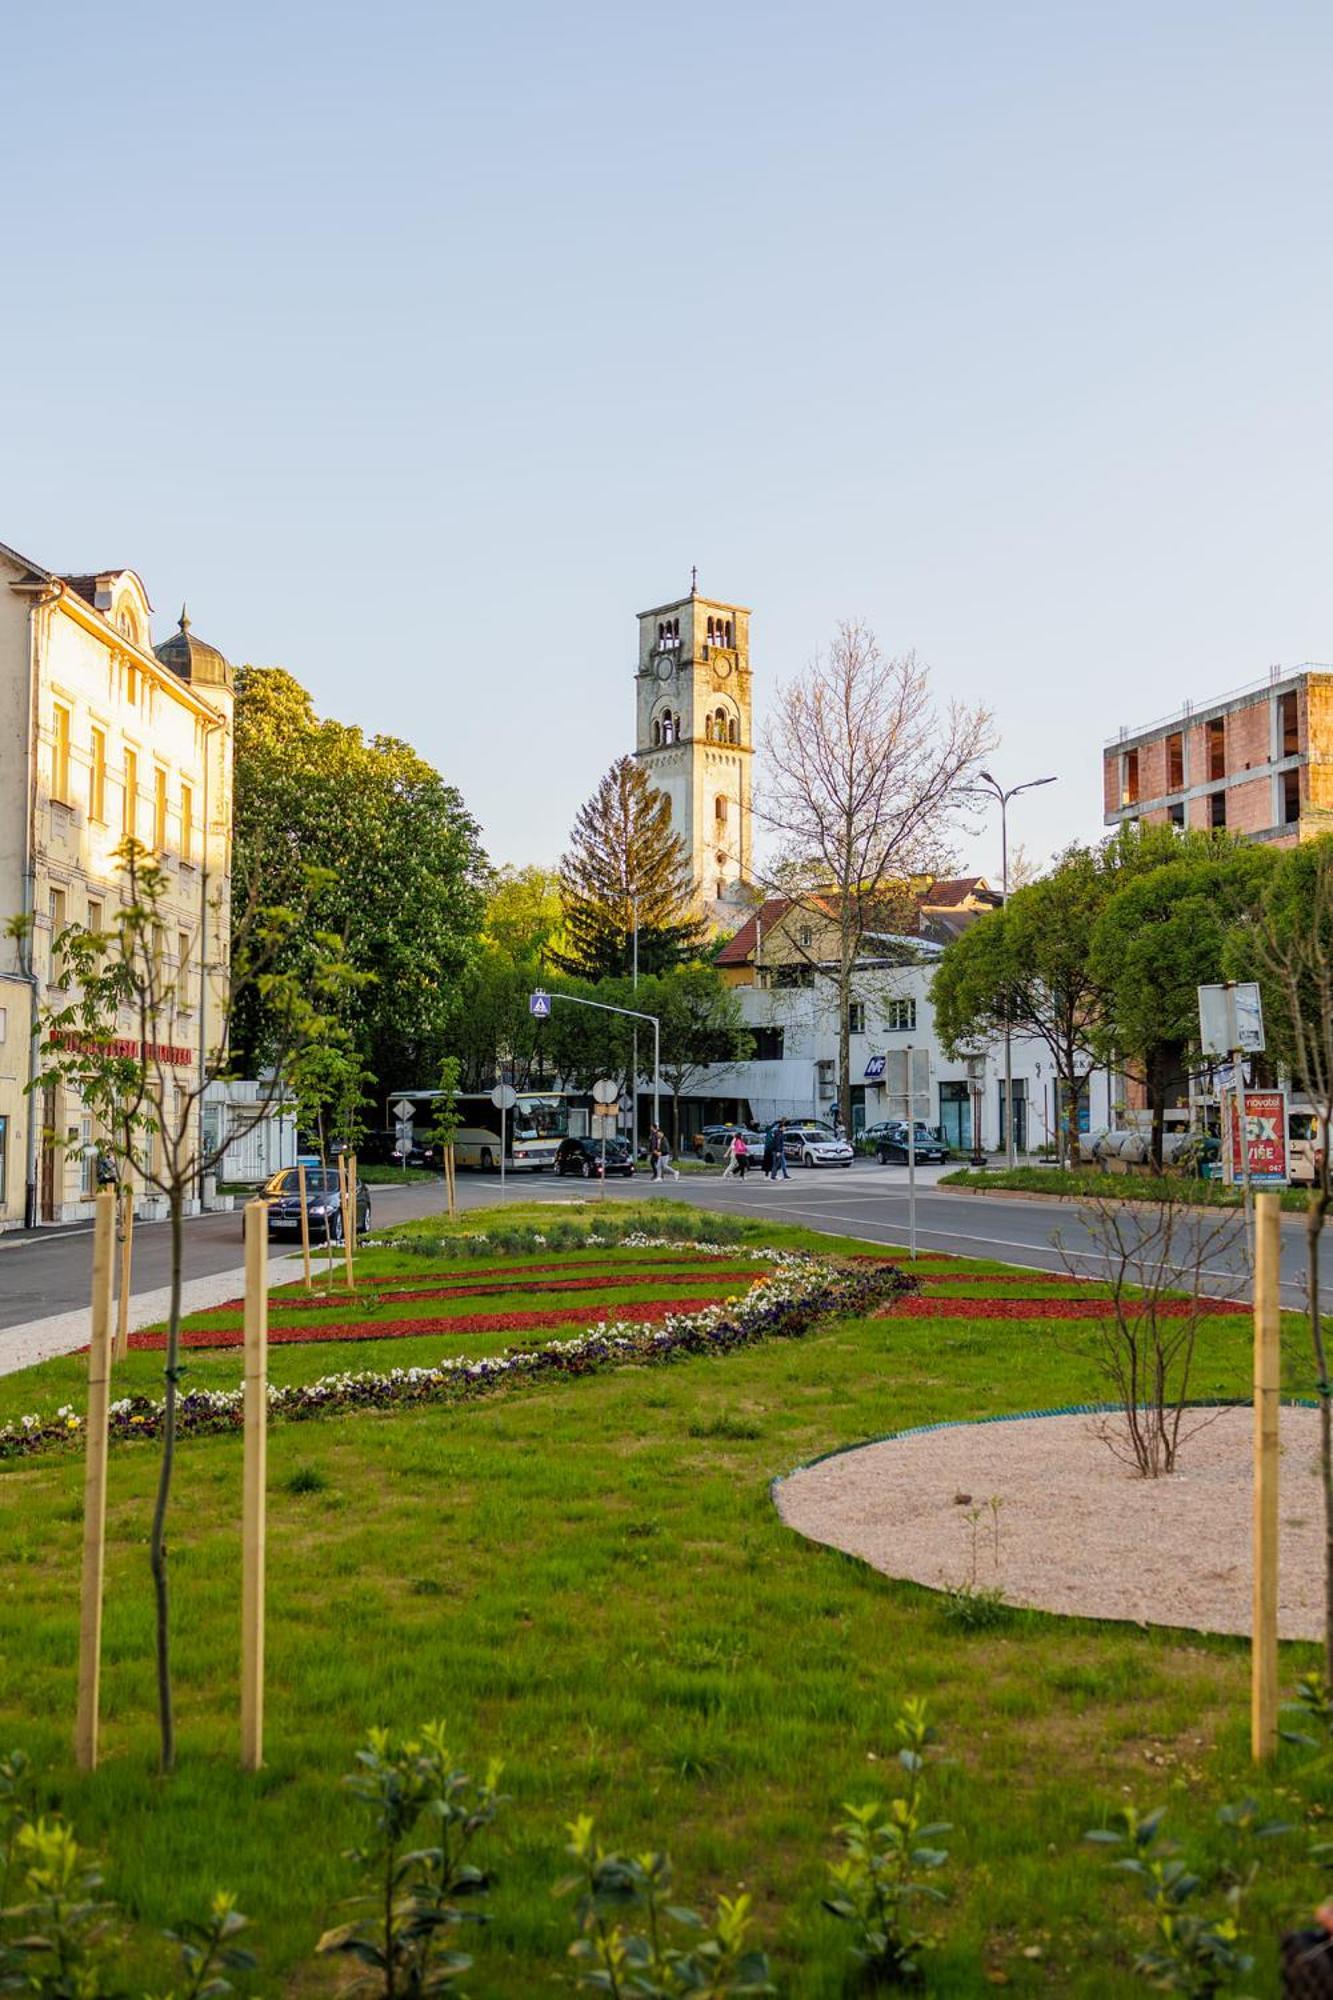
pixel 1076 1531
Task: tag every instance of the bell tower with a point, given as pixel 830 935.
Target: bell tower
pixel 694 735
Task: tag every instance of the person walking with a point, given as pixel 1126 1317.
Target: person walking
pixel 667 1165
pixel 780 1172
pixel 766 1161
pixel 740 1155
pixel 656 1147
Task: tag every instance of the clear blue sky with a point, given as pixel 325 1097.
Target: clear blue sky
pixel 421 346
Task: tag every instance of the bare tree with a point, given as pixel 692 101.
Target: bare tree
pixel 866 780
pixel 1145 1345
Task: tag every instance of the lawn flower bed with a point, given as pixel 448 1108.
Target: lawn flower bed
pixel 783 1303
pixel 410 1329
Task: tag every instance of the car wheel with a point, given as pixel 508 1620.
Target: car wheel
pixel 882 1155
pixel 589 1171
pixel 333 1228
pixel 807 1159
pixel 487 1160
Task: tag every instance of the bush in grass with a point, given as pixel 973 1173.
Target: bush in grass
pixel 604 1227
pixel 885 1858
pixel 1194 1949
pixel 671 1951
pixel 413 1791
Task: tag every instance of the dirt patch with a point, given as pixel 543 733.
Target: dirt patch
pixel 1074 1530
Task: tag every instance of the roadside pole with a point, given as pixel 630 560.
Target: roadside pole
pixel 126 1269
pixel 504 1097
pixel 1267 1363
pixel 540 1003
pixel 1242 1115
pixel 305 1227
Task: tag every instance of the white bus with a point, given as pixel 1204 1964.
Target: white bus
pixel 532 1130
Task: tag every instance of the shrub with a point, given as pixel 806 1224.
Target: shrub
pixel 414 1904
pixel 653 1960
pixel 885 1857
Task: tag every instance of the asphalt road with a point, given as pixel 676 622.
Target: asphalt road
pixel 48 1273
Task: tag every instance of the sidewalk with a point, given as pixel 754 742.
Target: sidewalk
pixel 64 1333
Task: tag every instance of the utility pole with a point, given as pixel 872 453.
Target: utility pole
pixel 998 791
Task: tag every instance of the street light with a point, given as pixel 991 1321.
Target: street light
pixel 997 789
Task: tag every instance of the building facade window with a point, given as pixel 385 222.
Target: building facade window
pixel 183 969
pixel 856 1017
pixel 1176 813
pixel 1175 762
pixel 900 1016
pixel 1291 797
pixel 57 909
pixel 94 913
pixel 768 1044
pixel 187 822
pixel 160 810
pixel 1217 748
pixel 87 1158
pixel 60 753
pixel 720 809
pixel 1129 778
pixel 4 1025
pixel 129 811
pixel 97 777
pixel 1217 809
pixel 1289 724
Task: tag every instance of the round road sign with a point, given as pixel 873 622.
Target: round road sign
pixel 504 1097
pixel 605 1092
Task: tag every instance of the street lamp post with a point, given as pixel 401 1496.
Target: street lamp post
pixel 997 789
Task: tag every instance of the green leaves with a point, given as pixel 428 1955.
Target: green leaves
pixel 625 868
pixel 887 1850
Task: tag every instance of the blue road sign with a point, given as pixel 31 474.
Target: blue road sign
pixel 539 1004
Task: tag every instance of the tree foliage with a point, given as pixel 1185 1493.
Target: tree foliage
pixel 624 866
pixel 402 862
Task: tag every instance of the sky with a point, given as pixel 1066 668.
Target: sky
pixel 420 347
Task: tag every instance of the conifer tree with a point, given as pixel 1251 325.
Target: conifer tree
pixel 624 862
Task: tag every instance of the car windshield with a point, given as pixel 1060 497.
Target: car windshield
pixel 316 1181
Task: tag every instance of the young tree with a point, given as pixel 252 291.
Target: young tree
pixel 702 1027
pixel 402 869
pixel 625 868
pixel 114 1034
pixel 328 1085
pixel 867 778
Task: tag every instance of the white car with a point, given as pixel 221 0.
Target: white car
pixel 817 1146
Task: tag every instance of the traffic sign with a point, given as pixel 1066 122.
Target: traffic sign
pixel 605 1092
pixel 1231 1018
pixel 539 1004
pixel 504 1097
pixel 403 1111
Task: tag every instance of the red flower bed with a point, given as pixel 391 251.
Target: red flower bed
pixel 515 1283
pixel 937 1308
pixel 406 1329
pixel 632 1274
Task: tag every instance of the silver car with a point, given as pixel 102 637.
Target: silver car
pixel 817 1146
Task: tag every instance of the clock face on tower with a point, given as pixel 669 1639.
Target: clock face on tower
pixel 666 667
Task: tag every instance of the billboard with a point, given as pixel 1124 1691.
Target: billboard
pixel 1266 1128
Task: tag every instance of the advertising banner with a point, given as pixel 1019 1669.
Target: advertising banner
pixel 1266 1128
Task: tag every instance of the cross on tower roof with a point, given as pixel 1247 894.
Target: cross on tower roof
pixel 694 579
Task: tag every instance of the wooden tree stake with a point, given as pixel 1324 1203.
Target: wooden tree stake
pixel 253 1528
pixel 126 1266
pixel 353 1234
pixel 94 1482
pixel 347 1230
pixel 305 1228
pixel 1267 1323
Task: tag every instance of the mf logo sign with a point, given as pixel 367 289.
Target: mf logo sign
pixel 1265 1137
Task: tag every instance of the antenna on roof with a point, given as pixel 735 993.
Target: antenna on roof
pixel 694 579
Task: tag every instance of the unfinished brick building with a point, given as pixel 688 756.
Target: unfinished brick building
pixel 1259 762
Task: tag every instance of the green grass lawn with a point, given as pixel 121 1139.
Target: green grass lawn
pixel 589 1579
pixel 1078 1183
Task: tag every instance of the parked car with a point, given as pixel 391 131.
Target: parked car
pixel 815 1145
pixel 584 1156
pixel 323 1206
pixel 891 1143
pixel 717 1142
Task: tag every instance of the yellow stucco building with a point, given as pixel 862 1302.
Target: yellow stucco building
pixel 101 737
